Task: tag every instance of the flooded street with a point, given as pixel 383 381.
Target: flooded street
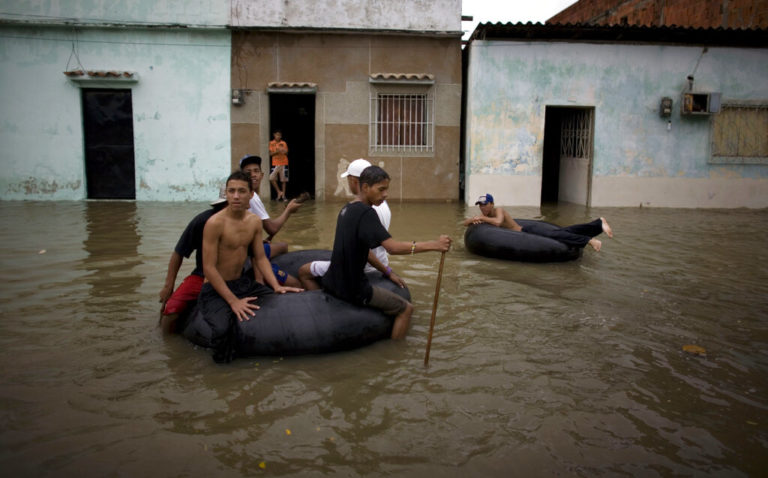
pixel 566 369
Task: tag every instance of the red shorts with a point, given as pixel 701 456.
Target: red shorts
pixel 187 292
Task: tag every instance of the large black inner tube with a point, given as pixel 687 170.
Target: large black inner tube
pixel 501 243
pixel 302 323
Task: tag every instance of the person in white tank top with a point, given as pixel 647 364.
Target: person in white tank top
pixel 378 259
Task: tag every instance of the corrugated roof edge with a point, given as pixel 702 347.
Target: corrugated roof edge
pixel 744 37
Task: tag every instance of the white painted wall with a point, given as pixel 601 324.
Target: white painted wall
pixel 574 177
pixel 200 13
pixel 637 159
pixel 438 16
pixel 180 106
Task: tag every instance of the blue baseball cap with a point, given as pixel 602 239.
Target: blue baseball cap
pixel 484 199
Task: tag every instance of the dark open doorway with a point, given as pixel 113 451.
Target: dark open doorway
pixel 108 132
pixel 294 115
pixel 567 163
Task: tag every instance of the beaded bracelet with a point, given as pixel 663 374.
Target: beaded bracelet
pixel 413 247
pixel 388 272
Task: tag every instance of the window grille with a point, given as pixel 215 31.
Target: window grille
pixel 576 134
pixel 402 123
pixel 740 134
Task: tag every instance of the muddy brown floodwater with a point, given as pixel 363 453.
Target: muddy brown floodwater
pixel 570 369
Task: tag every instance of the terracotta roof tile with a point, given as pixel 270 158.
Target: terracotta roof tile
pixel 291 84
pixel 100 73
pixel 403 76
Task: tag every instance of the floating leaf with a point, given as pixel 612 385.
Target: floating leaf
pixel 262 465
pixel 695 350
pixel 287 431
pixel 42 251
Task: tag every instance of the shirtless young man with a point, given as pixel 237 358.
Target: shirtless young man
pixel 227 237
pixel 175 302
pixel 578 235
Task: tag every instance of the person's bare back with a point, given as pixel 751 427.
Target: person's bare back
pixel 507 221
pixel 494 216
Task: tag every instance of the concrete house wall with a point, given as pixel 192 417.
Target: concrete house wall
pixel 179 52
pixel 335 49
pixel 639 157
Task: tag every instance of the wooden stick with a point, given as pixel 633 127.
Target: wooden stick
pixel 434 308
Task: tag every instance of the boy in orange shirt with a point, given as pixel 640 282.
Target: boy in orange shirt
pixel 278 151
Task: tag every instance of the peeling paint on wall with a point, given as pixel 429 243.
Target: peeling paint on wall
pixel 400 15
pixel 342 185
pixel 509 85
pixel 180 107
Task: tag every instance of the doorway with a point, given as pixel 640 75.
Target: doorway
pixel 294 115
pixel 567 163
pixel 108 138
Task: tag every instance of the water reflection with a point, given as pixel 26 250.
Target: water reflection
pixel 111 244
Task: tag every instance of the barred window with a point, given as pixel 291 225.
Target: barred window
pixel 401 122
pixel 740 134
pixel 576 134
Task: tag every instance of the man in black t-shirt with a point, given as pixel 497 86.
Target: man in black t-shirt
pixel 191 240
pixel 358 230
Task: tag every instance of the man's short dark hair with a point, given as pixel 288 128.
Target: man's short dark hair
pixel 250 159
pixel 240 176
pixel 372 175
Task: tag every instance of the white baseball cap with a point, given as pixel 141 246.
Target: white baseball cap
pixel 356 168
pixel 222 195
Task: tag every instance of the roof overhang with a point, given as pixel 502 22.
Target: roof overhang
pixel 292 87
pixel 403 78
pixel 727 37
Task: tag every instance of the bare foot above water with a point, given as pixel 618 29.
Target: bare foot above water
pixel 606 228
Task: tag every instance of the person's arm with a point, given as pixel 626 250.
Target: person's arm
pixel 497 219
pixel 170 277
pixel 494 220
pixel 385 270
pixel 500 218
pixel 273 225
pixel 242 308
pixel 442 244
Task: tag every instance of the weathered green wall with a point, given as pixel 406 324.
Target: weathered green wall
pixel 637 159
pixel 193 13
pixel 180 106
